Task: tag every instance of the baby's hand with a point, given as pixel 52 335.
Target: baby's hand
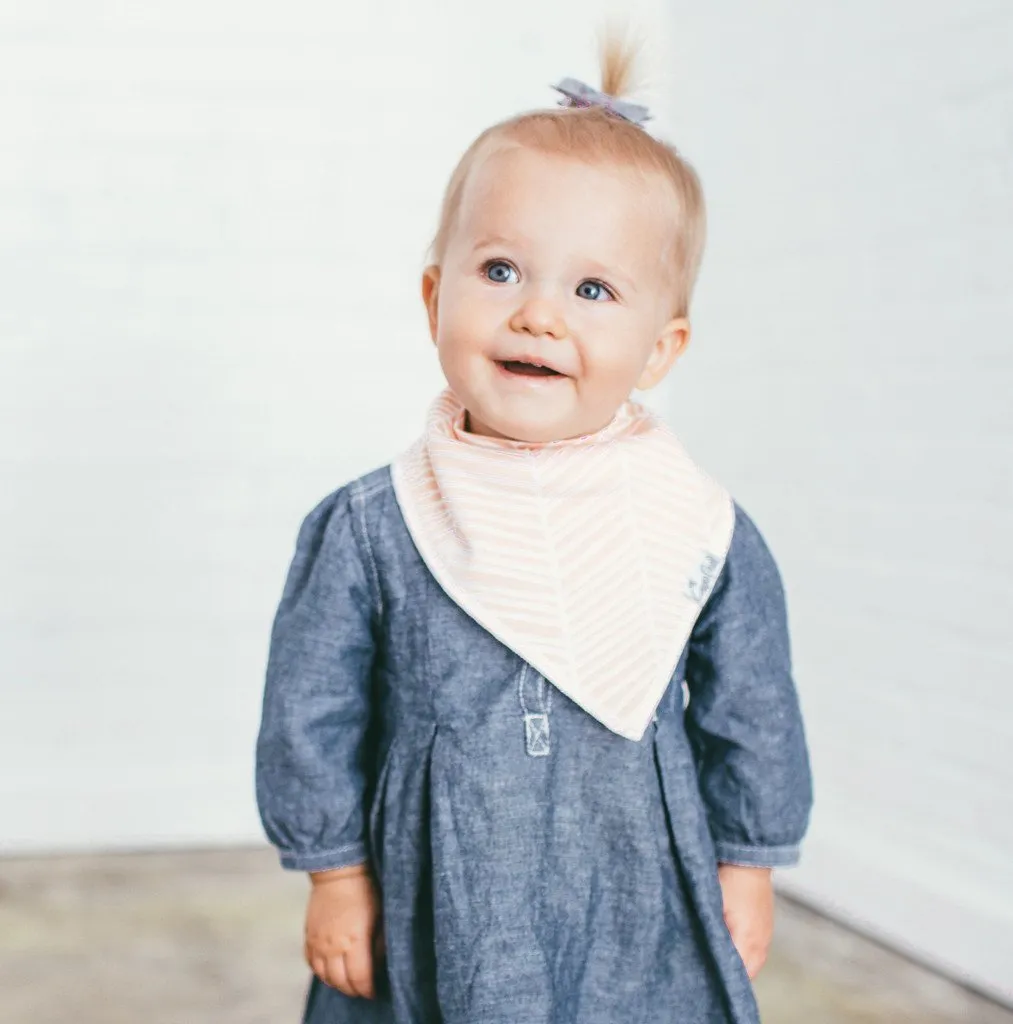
pixel 342 929
pixel 749 912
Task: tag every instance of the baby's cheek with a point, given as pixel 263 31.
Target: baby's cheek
pixel 611 376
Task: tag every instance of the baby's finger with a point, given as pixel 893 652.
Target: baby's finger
pixel 755 963
pixel 750 955
pixel 318 965
pixel 359 964
pixel 337 976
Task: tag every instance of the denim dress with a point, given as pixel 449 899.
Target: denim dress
pixel 534 867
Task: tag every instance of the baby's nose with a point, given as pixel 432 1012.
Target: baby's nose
pixel 539 315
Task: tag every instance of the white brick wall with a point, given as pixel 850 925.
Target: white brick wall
pixel 853 384
pixel 212 219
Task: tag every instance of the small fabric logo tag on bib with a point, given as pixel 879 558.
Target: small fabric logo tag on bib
pixel 700 584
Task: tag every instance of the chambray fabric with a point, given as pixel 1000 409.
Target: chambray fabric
pixel 535 868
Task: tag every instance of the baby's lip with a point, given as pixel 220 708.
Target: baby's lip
pixel 535 360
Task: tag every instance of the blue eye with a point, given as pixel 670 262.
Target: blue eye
pixel 495 269
pixel 595 297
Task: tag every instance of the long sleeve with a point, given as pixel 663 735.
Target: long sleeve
pixel 743 716
pixel 311 770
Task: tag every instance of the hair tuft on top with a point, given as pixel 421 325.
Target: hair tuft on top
pixel 617 58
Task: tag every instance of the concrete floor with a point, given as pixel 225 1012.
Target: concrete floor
pixel 215 938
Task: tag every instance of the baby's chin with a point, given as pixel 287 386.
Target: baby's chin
pixel 533 425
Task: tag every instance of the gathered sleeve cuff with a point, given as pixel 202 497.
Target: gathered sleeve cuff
pixel 758 856
pixel 325 860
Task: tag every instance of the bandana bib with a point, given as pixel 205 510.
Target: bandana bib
pixel 589 557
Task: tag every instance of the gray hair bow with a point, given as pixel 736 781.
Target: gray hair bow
pixel 581 95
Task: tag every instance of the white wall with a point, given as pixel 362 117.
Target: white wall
pixel 853 384
pixel 212 220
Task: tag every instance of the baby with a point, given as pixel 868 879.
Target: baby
pixel 529 721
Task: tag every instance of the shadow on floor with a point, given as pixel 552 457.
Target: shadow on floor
pixel 215 938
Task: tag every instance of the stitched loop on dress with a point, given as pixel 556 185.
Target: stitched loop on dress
pixel 536 735
pixel 536 724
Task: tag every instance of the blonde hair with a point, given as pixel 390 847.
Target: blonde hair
pixel 593 135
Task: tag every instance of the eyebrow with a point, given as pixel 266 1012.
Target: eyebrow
pixel 620 275
pixel 626 280
pixel 488 240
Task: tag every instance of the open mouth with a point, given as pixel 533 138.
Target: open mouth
pixel 529 369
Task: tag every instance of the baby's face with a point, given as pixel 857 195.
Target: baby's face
pixel 559 263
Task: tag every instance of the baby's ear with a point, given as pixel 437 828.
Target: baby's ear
pixel 668 347
pixel 430 296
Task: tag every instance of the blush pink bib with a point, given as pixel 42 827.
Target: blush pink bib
pixel 589 557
